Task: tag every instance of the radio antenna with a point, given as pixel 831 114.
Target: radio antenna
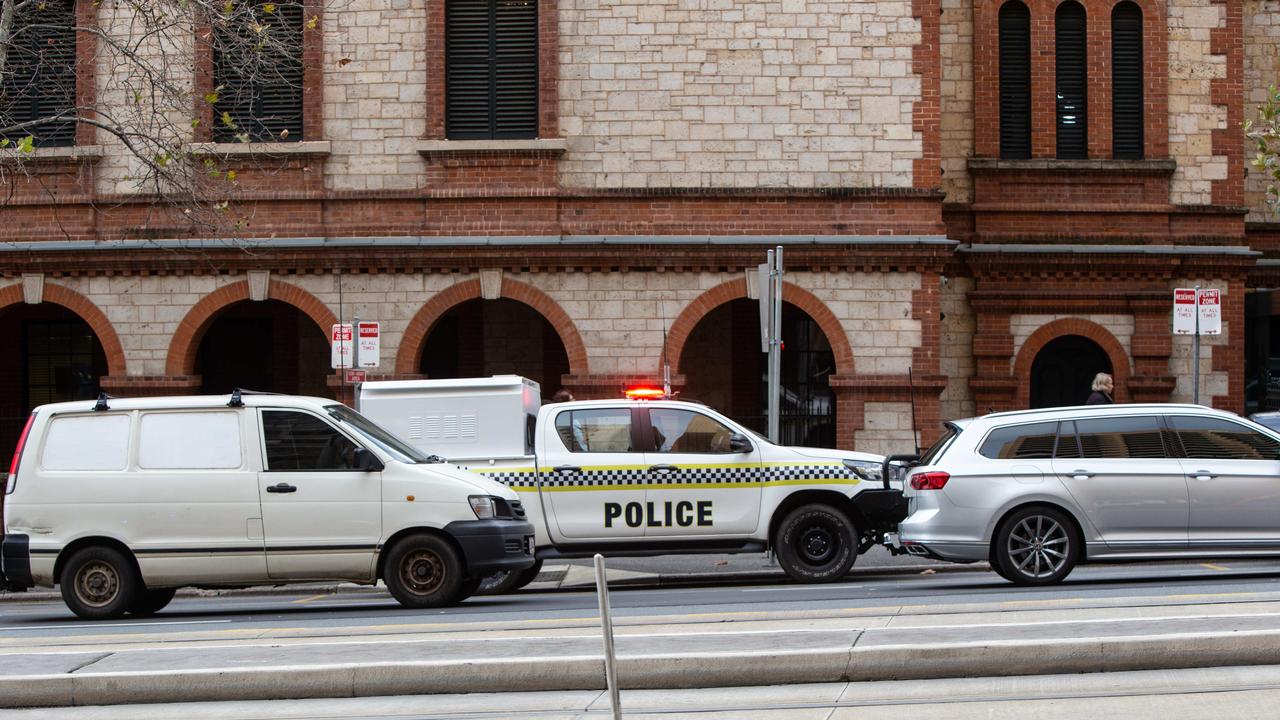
pixel 915 431
pixel 666 363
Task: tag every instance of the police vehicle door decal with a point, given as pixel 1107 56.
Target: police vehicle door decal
pixel 591 463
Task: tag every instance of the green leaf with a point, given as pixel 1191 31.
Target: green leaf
pixel 311 22
pixel 231 176
pixel 4 143
pixel 27 145
pixel 227 121
pixel 269 8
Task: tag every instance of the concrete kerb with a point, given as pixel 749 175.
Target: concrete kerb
pixel 558 578
pixel 917 662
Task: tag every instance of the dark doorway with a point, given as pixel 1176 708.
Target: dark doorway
pixel 58 358
pixel 725 368
pixel 1063 371
pixel 479 338
pixel 270 346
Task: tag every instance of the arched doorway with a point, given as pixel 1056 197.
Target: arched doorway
pixel 479 338
pixel 1063 371
pixel 268 345
pixel 58 358
pixel 725 368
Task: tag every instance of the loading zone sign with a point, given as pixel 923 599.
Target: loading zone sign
pixel 1197 310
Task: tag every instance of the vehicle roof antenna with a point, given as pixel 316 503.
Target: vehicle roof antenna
pixel 101 405
pixel 666 363
pixel 915 429
pixel 235 399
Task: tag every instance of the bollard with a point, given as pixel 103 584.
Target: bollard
pixel 606 629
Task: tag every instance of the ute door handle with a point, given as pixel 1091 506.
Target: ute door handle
pixel 282 488
pixel 662 468
pixel 1081 474
pixel 567 469
pixel 1203 475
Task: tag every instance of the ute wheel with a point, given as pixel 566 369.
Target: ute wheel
pixel 424 571
pixel 816 543
pixel 150 602
pixel 99 583
pixel 1036 546
pixel 510 580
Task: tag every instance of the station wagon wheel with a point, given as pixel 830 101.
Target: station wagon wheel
pixel 816 543
pixel 424 571
pixel 1036 546
pixel 99 583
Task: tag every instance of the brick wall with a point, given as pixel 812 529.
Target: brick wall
pixel 957 98
pixel 1261 60
pixel 956 350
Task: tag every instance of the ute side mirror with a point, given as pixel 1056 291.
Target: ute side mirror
pixel 739 443
pixel 367 461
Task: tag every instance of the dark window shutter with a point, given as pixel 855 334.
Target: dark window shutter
pixel 491 69
pixel 1015 81
pixel 40 74
pixel 1126 81
pixel 1073 136
pixel 261 86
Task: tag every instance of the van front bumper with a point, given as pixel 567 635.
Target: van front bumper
pixel 490 546
pixel 15 563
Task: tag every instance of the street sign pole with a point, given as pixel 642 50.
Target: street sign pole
pixel 775 347
pixel 355 361
pixel 1195 355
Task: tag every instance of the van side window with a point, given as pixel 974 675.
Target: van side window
pixel 300 441
pixel 1218 439
pixel 1122 437
pixel 88 442
pixel 682 431
pixel 1020 442
pixel 607 430
pixel 189 441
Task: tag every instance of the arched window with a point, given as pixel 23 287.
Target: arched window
pixel 1015 81
pixel 1126 81
pixel 40 74
pixel 1072 79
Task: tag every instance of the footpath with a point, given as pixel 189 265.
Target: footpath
pixel 891 642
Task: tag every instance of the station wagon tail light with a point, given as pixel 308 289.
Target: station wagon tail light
pixel 935 480
pixel 644 393
pixel 17 455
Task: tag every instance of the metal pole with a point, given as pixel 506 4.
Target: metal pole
pixel 1195 355
pixel 775 349
pixel 355 361
pixel 606 629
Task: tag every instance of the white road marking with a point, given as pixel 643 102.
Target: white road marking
pixel 77 626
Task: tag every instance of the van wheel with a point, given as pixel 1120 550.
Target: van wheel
pixel 151 602
pixel 816 543
pixel 1036 546
pixel 99 583
pixel 509 581
pixel 423 571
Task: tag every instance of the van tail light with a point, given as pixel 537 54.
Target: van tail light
pixel 935 480
pixel 17 455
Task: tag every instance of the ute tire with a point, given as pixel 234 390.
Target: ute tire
pixel 816 543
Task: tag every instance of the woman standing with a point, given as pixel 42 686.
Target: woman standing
pixel 1102 388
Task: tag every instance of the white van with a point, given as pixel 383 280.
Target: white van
pixel 122 501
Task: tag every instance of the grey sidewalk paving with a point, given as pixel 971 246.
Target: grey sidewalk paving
pixel 786 648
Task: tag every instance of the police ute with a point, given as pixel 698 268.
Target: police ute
pixel 646 475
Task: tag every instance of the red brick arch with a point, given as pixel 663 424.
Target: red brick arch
pixel 83 307
pixel 415 334
pixel 702 305
pixel 186 339
pixel 1071 326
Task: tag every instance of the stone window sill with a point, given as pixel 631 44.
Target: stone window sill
pixel 539 147
pixel 52 155
pixel 1053 165
pixel 307 148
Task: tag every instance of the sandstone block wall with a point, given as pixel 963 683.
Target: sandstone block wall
pixel 956 353
pixel 1261 70
pixel 957 99
pixel 1193 116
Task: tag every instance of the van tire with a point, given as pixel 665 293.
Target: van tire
pixel 100 583
pixel 423 571
pixel 816 543
pixel 150 602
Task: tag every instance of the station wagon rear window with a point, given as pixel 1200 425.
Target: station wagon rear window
pixel 86 442
pixel 1020 442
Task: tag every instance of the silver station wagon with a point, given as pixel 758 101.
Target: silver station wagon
pixel 1036 492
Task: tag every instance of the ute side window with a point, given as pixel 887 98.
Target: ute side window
pixel 607 430
pixel 682 431
pixel 1219 439
pixel 189 441
pixel 87 442
pixel 301 441
pixel 1122 437
pixel 1020 442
